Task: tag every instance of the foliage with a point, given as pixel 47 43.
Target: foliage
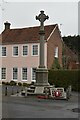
pixel 32 83
pixel 73 42
pixel 56 64
pixel 26 85
pixel 3 83
pixel 19 84
pixel 7 83
pixel 13 83
pixel 64 78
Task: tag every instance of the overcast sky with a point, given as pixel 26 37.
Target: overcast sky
pixel 22 14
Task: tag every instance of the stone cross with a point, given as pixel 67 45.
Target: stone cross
pixel 41 71
pixel 42 17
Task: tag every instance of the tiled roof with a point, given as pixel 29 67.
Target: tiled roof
pixel 24 35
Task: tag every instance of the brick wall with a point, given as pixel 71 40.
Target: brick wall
pixel 54 40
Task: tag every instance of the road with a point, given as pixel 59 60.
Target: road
pixel 32 107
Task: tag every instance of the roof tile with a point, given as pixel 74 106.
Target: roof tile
pixel 24 35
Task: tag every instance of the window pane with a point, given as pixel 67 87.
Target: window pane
pixel 15 50
pixel 35 49
pixel 24 73
pixel 33 73
pixel 56 52
pixel 15 73
pixel 3 51
pixel 25 50
pixel 3 73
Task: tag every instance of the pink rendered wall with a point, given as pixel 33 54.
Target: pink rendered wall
pixel 21 61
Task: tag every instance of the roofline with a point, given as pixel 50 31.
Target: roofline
pixel 52 32
pixel 28 27
pixel 28 42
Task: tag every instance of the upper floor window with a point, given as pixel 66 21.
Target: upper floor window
pixel 25 50
pixel 56 52
pixel 15 51
pixel 3 73
pixel 15 73
pixel 3 51
pixel 35 50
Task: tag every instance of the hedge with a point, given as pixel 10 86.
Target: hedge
pixel 64 78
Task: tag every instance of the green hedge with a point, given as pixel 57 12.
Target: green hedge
pixel 64 78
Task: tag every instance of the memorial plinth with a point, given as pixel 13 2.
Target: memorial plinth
pixel 42 77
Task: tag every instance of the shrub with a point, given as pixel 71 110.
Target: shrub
pixel 3 83
pixel 20 84
pixel 7 83
pixel 13 83
pixel 25 84
pixel 32 83
pixel 64 78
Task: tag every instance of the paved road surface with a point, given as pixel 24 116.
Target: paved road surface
pixel 32 107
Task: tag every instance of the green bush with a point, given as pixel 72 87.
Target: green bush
pixel 7 83
pixel 13 83
pixel 25 84
pixel 20 84
pixel 32 83
pixel 3 83
pixel 64 78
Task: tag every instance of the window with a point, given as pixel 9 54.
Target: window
pixel 15 51
pixel 25 50
pixel 56 52
pixel 3 73
pixel 35 50
pixel 24 73
pixel 33 73
pixel 3 51
pixel 15 73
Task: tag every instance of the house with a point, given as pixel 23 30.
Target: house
pixel 20 51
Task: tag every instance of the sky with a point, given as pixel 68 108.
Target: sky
pixel 21 14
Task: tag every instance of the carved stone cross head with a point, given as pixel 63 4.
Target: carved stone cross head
pixel 42 17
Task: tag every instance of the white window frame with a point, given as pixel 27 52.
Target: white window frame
pixel 27 50
pixel 32 74
pixel 13 51
pixel 1 51
pixel 17 74
pixel 5 73
pixel 32 50
pixel 22 74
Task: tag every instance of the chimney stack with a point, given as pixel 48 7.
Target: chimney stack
pixel 7 25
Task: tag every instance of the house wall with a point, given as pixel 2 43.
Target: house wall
pixel 54 41
pixel 21 61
